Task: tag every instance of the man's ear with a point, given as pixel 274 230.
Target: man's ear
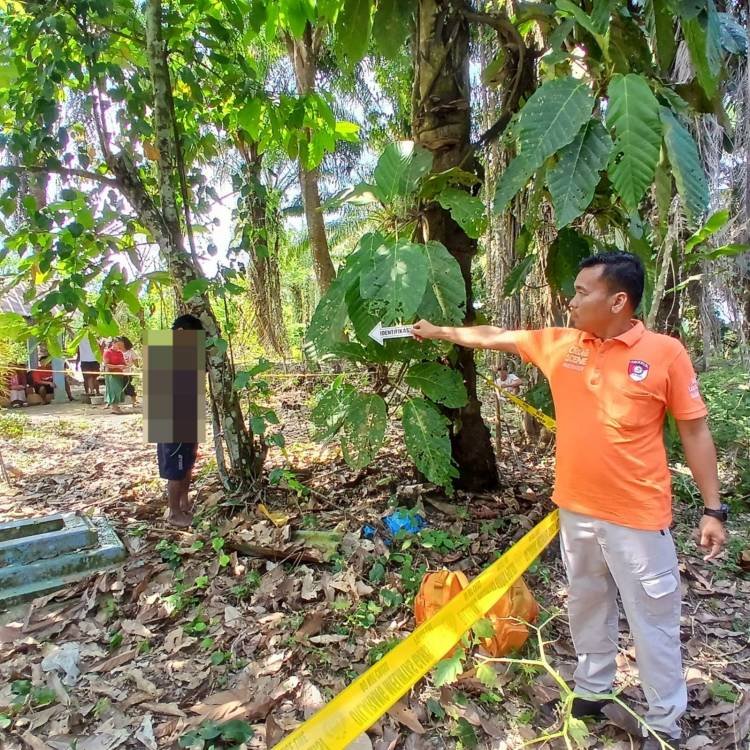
pixel 620 301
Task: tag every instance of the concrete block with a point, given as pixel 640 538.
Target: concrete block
pixel 19 582
pixel 40 538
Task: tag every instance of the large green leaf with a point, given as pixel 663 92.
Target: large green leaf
pixel 573 180
pixel 428 441
pixel 733 36
pixel 397 278
pixel 703 39
pixel 514 280
pixel 331 409
pixel 400 167
pixel 551 118
pixel 565 253
pixel 394 21
pixel 353 25
pixel 467 210
pixel 660 22
pixel 514 177
pixel 363 431
pixel 444 301
pixel 686 166
pixel 633 118
pixel 365 315
pixel 327 325
pixel 713 224
pixel 440 383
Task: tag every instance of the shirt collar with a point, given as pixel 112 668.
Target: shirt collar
pixel 629 338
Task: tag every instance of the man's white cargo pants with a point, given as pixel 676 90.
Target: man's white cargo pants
pixel 600 559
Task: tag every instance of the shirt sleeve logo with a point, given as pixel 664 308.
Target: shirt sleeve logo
pixel 638 370
pixel 694 389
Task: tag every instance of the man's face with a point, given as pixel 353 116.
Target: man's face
pixel 503 373
pixel 594 304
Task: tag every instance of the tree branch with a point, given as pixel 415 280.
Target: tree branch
pixel 63 171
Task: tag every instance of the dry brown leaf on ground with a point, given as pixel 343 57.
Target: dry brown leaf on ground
pixel 406 716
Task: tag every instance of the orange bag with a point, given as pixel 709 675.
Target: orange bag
pixel 439 588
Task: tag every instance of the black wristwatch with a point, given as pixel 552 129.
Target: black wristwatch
pixel 722 513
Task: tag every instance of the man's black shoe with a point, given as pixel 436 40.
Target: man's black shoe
pixel 580 709
pixel 583 707
pixel 651 743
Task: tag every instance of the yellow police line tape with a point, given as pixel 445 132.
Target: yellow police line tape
pixel 362 703
pixel 539 415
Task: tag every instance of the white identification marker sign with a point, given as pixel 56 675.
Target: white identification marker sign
pixel 381 332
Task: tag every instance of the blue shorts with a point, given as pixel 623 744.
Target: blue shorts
pixel 175 459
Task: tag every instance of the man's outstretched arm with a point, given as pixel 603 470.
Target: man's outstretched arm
pixel 472 337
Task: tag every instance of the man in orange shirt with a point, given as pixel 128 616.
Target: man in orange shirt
pixel 613 382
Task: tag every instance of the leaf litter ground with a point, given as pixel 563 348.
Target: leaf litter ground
pixel 262 616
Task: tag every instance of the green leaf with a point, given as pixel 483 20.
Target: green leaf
pixel 249 118
pixel 393 23
pixel 397 278
pixel 577 731
pixel 483 629
pixel 363 430
pixel 330 411
pixel 444 301
pixel 633 117
pixel 400 168
pixel 353 26
pixel 428 442
pixel 713 224
pixel 552 117
pixel 514 178
pixel 194 288
pixel 573 180
pixel 327 325
pixel 582 19
pixel 703 39
pixel 13 325
pixel 733 37
pixel 686 166
pixel 467 210
pixel 486 675
pixel 515 279
pixel 725 251
pixel 663 194
pixel 236 730
pixel 465 734
pixel 564 255
pixel 440 383
pixel 661 27
pixel 448 670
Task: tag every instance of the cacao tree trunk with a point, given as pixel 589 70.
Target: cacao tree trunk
pixel 164 223
pixel 441 123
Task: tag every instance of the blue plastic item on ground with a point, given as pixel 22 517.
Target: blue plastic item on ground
pixel 368 532
pixel 401 520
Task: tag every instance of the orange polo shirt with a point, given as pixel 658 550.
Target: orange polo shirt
pixel 610 398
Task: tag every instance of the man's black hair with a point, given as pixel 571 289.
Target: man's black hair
pixel 188 323
pixel 622 271
pixel 127 342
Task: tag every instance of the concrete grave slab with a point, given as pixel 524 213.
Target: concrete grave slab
pixel 38 539
pixel 40 555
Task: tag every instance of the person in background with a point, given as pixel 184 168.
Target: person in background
pixel 88 360
pixel 176 460
pixel 41 376
pixel 114 383
pixel 17 385
pixel 508 380
pixel 131 362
